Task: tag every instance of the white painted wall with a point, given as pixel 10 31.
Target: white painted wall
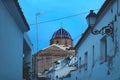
pixel 50 75
pixel 11 46
pixel 62 71
pixel 100 71
pixel 74 75
pixel 68 78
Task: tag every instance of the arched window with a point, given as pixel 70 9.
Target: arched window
pixel 57 42
pixel 65 42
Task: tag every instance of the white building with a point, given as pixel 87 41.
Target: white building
pixel 99 53
pixel 62 69
pixel 13 40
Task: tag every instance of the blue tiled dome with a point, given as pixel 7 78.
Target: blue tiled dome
pixel 61 33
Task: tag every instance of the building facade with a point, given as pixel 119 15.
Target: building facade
pixel 13 40
pixel 60 47
pixel 98 49
pixel 62 69
pixel 49 56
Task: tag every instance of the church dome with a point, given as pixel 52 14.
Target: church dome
pixel 61 33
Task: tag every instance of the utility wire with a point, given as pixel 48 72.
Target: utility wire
pixel 61 18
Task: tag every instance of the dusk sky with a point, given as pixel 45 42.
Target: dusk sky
pixel 54 14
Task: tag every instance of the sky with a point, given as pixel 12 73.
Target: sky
pixel 54 14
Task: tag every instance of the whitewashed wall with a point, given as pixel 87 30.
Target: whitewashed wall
pixel 11 42
pixel 62 71
pixel 101 70
pixel 11 45
pixel 50 75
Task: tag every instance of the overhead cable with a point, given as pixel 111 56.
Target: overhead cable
pixel 61 18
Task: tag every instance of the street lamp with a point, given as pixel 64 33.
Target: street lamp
pixel 105 30
pixel 37 14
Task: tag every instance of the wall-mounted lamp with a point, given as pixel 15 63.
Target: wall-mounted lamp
pixel 105 30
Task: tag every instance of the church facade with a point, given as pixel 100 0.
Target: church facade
pixel 60 47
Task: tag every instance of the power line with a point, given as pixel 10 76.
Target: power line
pixel 62 18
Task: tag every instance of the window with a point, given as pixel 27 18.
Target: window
pixel 103 50
pixel 65 42
pixel 86 60
pixel 76 78
pixel 57 42
pixel 118 7
pixel 79 62
pixel 80 66
pixel 57 77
